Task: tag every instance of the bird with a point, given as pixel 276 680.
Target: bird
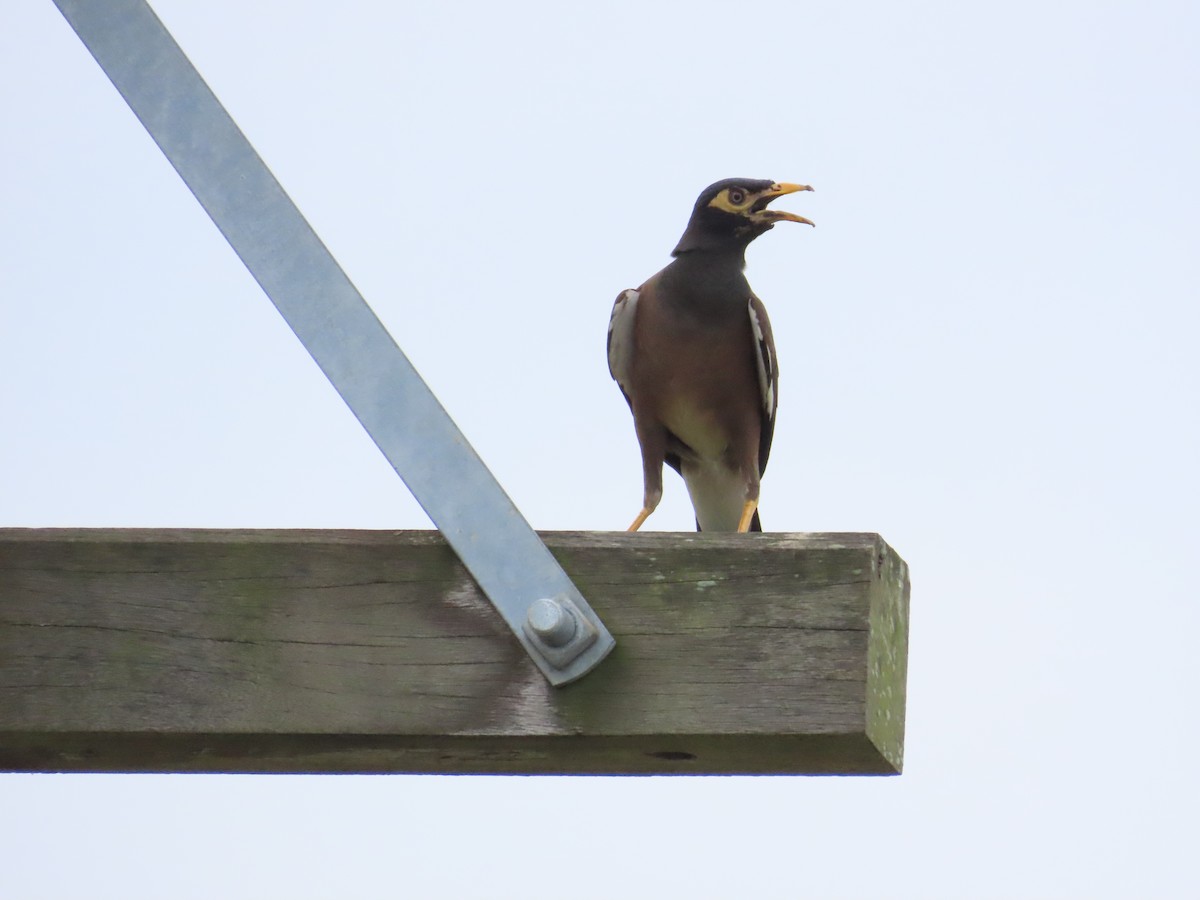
pixel 693 354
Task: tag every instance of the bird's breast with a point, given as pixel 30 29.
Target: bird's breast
pixel 703 390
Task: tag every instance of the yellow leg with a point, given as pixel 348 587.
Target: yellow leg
pixel 641 517
pixel 747 515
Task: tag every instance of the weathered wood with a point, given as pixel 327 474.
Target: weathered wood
pixel 367 651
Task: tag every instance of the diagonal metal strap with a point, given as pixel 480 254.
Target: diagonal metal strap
pixel 513 567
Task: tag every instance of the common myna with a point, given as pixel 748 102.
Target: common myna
pixel 693 354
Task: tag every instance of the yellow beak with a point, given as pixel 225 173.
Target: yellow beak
pixel 774 215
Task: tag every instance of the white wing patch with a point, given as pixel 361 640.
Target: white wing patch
pixel 764 361
pixel 620 337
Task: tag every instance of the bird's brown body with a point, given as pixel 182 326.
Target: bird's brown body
pixel 693 354
pixel 704 416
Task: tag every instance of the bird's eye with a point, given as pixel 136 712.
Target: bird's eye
pixel 737 196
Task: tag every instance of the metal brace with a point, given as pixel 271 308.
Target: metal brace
pixel 524 582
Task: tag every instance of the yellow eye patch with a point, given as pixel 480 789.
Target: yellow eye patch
pixel 726 200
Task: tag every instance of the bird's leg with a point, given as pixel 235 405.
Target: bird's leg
pixel 750 505
pixel 641 517
pixel 747 515
pixel 649 503
pixel 653 441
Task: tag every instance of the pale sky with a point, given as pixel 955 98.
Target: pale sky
pixel 987 349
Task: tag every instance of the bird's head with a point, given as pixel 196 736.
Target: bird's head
pixel 732 213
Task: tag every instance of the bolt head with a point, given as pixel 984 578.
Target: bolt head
pixel 551 622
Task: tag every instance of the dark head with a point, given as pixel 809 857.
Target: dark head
pixel 731 213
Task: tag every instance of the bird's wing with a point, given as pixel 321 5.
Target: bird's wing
pixel 768 377
pixel 620 338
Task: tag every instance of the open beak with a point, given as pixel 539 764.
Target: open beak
pixel 770 216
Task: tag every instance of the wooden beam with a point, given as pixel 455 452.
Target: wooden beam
pixel 371 651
